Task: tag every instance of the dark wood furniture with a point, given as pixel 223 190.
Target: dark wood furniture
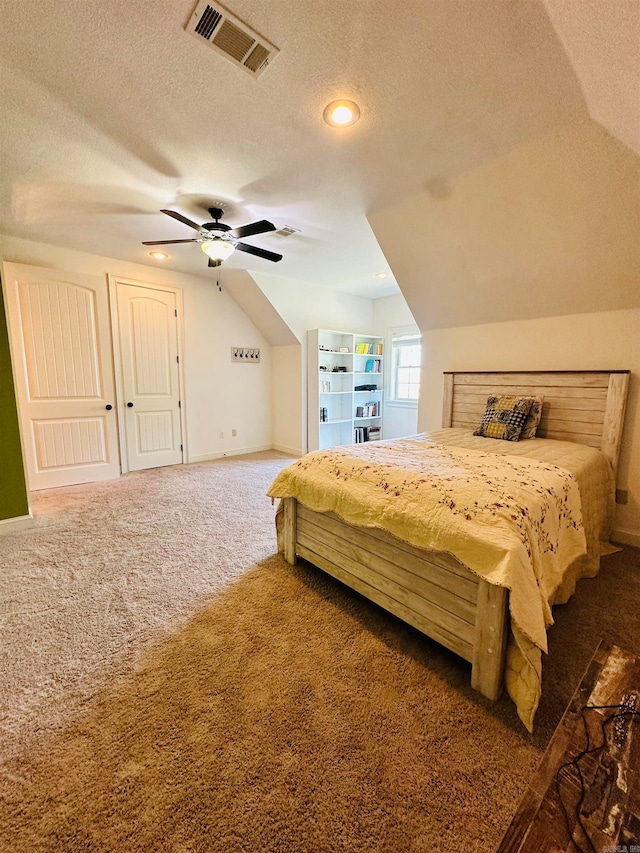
pixel 611 807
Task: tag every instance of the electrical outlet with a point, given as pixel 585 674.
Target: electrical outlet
pixel 246 355
pixel 221 434
pixel 234 433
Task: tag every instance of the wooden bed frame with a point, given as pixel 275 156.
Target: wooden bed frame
pixel 431 590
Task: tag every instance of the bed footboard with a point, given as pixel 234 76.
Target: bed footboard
pixel 431 591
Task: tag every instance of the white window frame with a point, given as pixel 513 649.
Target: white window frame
pixel 408 332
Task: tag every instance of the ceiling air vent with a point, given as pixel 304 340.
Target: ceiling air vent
pixel 211 23
pixel 286 231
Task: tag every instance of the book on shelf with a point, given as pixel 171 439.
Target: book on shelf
pixel 372 365
pixel 362 434
pixel 368 349
pixel 368 410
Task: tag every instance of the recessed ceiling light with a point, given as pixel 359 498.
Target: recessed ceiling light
pixel 159 256
pixel 381 274
pixel 341 113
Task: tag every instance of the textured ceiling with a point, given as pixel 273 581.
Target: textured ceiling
pixel 110 111
pixel 602 40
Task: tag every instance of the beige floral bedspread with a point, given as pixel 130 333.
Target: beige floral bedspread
pixel 513 520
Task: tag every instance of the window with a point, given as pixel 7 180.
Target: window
pixel 406 352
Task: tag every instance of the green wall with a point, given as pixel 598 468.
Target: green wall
pixel 13 489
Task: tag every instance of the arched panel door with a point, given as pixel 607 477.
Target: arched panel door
pixel 148 338
pixel 61 346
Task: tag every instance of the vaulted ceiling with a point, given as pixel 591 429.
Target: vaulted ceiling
pixel 602 41
pixel 110 111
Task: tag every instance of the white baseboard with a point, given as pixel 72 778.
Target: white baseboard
pixel 290 451
pixel 219 454
pixel 10 525
pixel 626 537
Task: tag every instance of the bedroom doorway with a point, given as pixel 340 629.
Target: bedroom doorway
pixel 147 342
pixel 61 353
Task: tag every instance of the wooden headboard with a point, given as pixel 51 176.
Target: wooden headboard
pixel 585 406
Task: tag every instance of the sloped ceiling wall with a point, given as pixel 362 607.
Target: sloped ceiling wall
pixel 602 42
pixel 550 228
pixel 258 308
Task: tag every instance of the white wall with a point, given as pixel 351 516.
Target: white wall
pixel 391 314
pixel 289 416
pixel 598 341
pixel 220 396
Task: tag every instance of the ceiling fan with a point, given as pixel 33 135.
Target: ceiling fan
pixel 220 241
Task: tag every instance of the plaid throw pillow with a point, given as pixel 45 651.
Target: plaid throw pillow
pixel 533 419
pixel 504 417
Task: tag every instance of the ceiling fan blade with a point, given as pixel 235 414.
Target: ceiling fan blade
pixel 166 242
pixel 259 227
pixel 260 253
pixel 181 218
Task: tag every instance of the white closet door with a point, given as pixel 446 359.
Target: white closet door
pixel 61 344
pixel 148 336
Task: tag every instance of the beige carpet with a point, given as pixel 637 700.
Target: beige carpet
pixel 168 684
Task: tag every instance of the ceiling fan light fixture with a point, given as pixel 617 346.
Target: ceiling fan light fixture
pixel 213 240
pixel 341 113
pixel 217 249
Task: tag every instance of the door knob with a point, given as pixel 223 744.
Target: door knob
pixel 108 407
pixel 130 405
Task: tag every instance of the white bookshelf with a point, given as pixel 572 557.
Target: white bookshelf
pixel 336 366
